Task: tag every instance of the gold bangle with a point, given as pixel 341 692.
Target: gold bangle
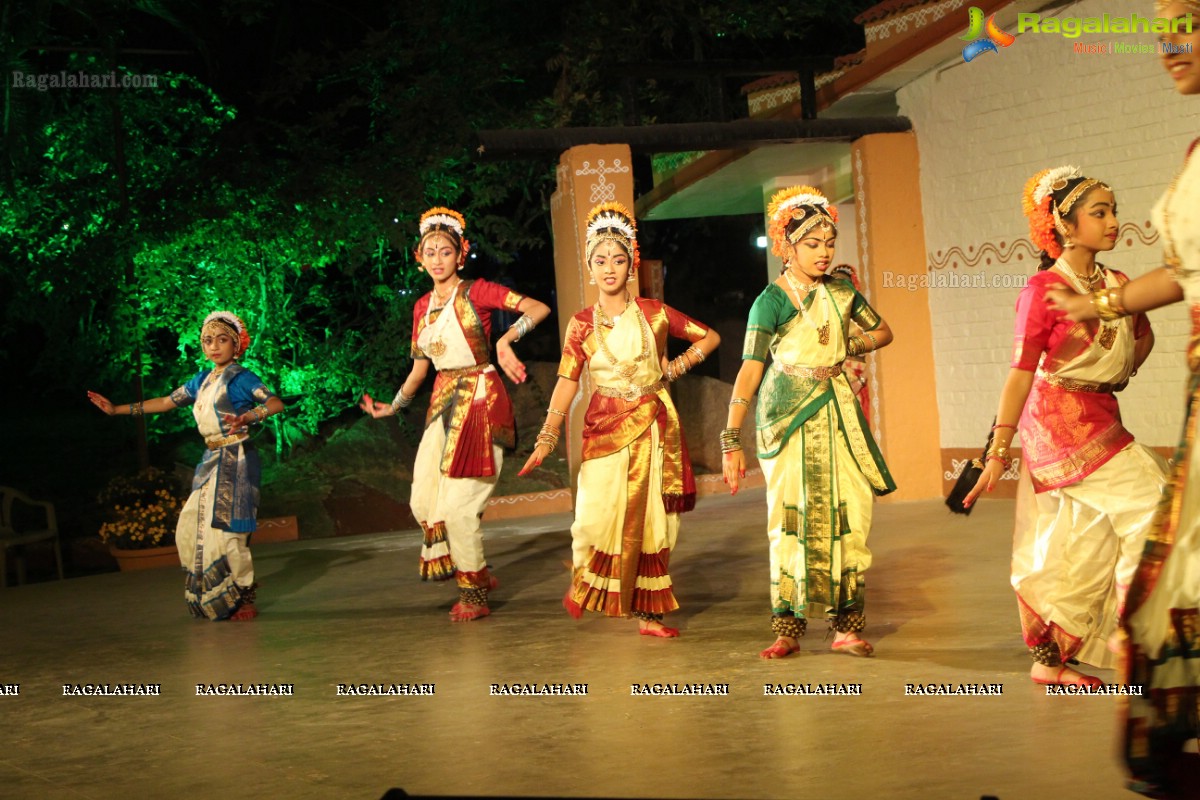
pixel 562 414
pixel 547 436
pixel 739 401
pixel 1108 307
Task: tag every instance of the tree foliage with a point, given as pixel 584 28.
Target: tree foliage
pixel 279 167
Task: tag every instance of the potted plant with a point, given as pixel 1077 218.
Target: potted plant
pixel 141 511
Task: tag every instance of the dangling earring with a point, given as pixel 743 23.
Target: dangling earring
pixel 632 273
pixel 592 279
pixel 1067 243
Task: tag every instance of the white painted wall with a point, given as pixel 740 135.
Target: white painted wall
pixel 983 129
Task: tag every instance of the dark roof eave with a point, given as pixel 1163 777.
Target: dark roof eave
pixel 683 137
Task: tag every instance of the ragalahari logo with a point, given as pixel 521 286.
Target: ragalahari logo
pixel 983 38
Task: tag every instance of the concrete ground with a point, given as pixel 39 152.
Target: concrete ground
pixel 352 610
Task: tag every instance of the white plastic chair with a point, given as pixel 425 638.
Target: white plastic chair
pixel 10 537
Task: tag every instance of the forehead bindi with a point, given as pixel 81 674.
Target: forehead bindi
pixel 435 243
pixel 610 250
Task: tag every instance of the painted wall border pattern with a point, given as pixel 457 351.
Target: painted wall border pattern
pixel 919 19
pixel 1005 253
pixel 773 98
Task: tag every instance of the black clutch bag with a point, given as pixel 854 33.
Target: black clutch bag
pixel 967 480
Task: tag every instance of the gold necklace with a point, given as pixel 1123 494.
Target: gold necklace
pixel 822 331
pixel 1107 333
pixel 442 298
pixel 1084 285
pixel 629 369
pixel 437 347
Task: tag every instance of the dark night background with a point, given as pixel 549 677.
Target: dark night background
pixel 278 170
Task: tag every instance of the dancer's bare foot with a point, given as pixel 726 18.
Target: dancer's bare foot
pixel 851 645
pixel 784 646
pixel 244 614
pixel 465 612
pixel 1062 676
pixel 656 628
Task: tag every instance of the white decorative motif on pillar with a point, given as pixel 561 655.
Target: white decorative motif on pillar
pixel 602 191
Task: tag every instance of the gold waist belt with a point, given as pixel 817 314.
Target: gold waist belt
pixel 462 372
pixel 819 373
pixel 1072 385
pixel 631 393
pixel 217 442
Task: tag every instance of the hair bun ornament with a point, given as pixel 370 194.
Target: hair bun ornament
pixel 1036 201
pixel 783 208
pixel 231 322
pixel 441 217
pixel 616 219
pixel 848 271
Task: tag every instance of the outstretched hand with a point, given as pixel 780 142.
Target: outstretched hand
pixel 509 362
pixel 535 459
pixel 375 408
pixel 992 471
pixel 101 402
pixel 238 423
pixel 1077 307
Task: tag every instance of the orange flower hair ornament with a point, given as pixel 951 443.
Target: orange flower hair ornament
pixel 445 221
pixel 1037 201
pixel 804 204
pixel 1045 216
pixel 612 222
pixel 230 324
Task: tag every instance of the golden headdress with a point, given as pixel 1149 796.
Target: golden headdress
pixel 612 222
pixel 230 324
pixel 795 211
pixel 445 221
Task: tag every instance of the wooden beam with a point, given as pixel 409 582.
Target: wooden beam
pixel 682 137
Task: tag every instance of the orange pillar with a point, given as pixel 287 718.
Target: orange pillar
pixel 891 248
pixel 587 176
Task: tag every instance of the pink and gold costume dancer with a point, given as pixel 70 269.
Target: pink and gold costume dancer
pixel 636 478
pixel 1087 498
pixel 470 417
pixel 213 533
pixel 820 462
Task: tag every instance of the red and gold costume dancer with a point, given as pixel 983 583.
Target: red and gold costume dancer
pixel 213 533
pixel 470 418
pixel 1162 610
pixel 1090 491
pixel 821 465
pixel 636 477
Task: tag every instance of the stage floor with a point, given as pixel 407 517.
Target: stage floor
pixel 352 611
